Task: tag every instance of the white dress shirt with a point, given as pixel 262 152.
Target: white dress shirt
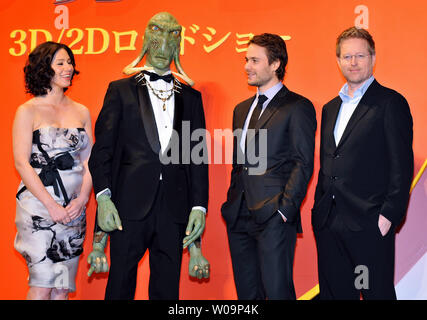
pixel 164 118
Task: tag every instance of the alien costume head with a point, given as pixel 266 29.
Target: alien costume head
pixel 162 41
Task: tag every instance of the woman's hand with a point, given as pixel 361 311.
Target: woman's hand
pixel 76 207
pixel 58 214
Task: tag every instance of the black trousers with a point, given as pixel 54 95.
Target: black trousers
pixel 262 257
pixel 163 238
pixel 354 263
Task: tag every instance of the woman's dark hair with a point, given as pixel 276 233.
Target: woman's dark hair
pixel 38 71
pixel 276 50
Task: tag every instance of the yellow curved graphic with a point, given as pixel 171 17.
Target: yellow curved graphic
pixel 418 176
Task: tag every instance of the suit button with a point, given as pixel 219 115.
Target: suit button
pixel 333 178
pixel 336 156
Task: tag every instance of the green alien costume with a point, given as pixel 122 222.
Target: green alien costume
pixel 182 186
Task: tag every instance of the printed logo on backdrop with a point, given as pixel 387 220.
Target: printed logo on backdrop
pixel 98 40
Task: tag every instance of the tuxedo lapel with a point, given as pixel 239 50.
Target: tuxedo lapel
pixel 148 119
pixel 178 112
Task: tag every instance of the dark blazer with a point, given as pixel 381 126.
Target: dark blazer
pixel 290 120
pixel 371 169
pixel 125 156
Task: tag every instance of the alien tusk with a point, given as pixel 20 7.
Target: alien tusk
pixel 128 70
pixel 184 77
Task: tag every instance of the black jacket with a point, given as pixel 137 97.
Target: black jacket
pixel 125 156
pixel 290 121
pixel 370 171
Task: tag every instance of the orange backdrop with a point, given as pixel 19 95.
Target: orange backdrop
pixel 108 36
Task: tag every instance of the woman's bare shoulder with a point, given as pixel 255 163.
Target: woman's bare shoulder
pixel 27 108
pixel 82 111
pixel 79 107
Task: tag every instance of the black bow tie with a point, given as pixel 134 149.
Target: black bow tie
pixel 154 76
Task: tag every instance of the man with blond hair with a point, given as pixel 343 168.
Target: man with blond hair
pixel 366 168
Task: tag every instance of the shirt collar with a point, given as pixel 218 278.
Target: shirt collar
pixel 358 93
pixel 270 93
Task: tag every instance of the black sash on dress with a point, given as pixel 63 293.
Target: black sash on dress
pixel 49 174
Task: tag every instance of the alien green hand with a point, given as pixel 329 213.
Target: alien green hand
pixel 198 266
pixel 97 259
pixel 195 226
pixel 108 217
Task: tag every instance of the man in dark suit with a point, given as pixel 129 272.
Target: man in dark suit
pixel 262 211
pixel 145 190
pixel 366 167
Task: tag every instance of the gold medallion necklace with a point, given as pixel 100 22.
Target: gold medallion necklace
pixel 175 88
pixel 163 95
